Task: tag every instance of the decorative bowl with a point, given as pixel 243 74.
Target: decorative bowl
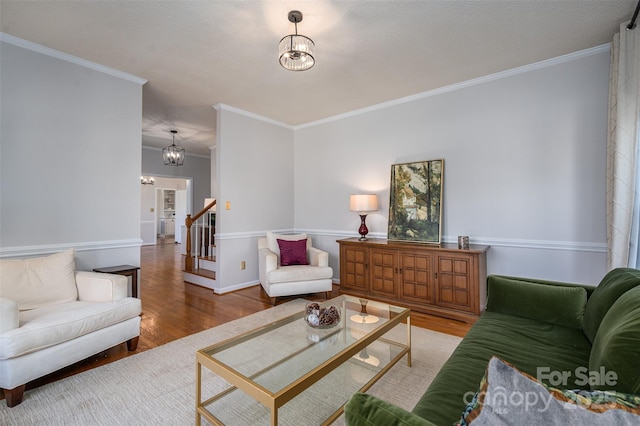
pixel 319 317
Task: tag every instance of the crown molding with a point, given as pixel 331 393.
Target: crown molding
pixel 16 41
pixel 462 85
pixel 225 107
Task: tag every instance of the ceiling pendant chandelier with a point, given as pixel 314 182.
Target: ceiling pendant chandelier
pixel 296 51
pixel 172 155
pixel 147 180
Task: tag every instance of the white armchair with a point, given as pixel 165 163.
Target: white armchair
pixel 296 277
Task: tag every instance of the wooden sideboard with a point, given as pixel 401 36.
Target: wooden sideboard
pixel 440 279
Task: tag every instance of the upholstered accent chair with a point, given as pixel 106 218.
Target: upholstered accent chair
pixel 289 265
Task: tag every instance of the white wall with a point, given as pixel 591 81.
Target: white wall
pixel 70 157
pixel 255 175
pixel 525 159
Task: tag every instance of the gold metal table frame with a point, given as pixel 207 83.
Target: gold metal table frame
pixel 354 339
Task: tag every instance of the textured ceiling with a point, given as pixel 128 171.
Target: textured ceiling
pixel 195 54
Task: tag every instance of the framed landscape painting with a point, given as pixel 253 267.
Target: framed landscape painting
pixel 415 205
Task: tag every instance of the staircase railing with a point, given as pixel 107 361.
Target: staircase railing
pixel 189 221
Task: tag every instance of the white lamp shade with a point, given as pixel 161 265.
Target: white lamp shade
pixel 363 203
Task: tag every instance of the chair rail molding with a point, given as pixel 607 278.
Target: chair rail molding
pixel 488 241
pixel 25 251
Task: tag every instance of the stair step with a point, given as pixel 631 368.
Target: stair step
pixel 207 264
pixel 201 277
pixel 209 258
pixel 203 273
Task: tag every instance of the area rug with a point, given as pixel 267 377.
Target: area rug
pixel 157 387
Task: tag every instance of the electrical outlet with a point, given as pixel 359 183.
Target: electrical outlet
pixel 227 205
pixel 243 264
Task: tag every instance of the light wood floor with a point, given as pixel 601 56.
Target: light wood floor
pixel 173 309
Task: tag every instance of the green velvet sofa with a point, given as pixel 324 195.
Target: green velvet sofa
pixel 561 334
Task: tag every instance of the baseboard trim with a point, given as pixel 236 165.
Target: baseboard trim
pixel 27 251
pixel 236 287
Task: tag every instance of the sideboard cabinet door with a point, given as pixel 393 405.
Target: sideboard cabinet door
pixel 384 272
pixel 417 276
pixel 354 268
pixel 455 288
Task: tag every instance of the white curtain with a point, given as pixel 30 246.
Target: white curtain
pixel 623 185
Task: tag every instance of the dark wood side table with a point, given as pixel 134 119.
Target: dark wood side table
pixel 126 270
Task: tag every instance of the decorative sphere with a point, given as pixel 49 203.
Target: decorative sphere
pixel 313 319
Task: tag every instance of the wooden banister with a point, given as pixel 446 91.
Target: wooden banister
pixel 188 261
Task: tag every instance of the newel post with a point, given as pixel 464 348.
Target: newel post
pixel 188 261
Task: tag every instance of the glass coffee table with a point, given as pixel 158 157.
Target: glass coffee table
pixel 287 372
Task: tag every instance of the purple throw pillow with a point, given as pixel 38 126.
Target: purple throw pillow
pixel 293 252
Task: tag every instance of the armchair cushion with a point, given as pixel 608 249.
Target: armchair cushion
pixel 293 252
pixel 40 281
pixel 299 273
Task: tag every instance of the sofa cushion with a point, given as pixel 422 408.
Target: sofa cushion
pixel 54 324
pixel 612 286
pixel 616 348
pixel 532 346
pixel 507 397
pixel 367 410
pixel 293 252
pixel 299 273
pixel 272 241
pixel 560 305
pixel 39 281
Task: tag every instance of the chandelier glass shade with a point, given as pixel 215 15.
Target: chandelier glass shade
pixel 147 180
pixel 296 51
pixel 173 155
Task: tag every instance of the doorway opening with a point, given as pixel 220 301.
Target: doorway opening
pixel 164 207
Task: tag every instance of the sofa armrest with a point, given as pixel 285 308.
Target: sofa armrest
pixel 367 410
pixel 99 287
pixel 552 302
pixel 9 315
pixel 317 257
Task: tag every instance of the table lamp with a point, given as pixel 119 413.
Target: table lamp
pixel 363 203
